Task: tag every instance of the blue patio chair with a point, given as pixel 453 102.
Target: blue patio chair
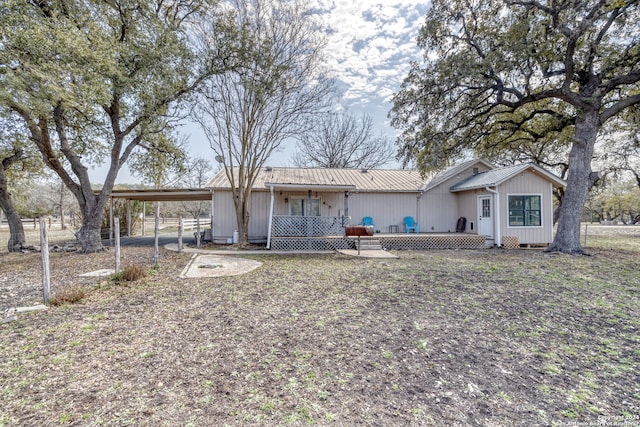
pixel 410 224
pixel 367 220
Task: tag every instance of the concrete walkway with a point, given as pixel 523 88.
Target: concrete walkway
pixel 237 252
pixel 369 253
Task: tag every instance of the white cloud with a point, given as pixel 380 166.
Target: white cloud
pixel 370 46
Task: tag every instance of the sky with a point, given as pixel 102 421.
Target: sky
pixel 370 45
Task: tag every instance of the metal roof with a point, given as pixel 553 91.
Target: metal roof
pixel 496 177
pixel 378 180
pixel 441 177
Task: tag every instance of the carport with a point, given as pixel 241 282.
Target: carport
pixel 157 195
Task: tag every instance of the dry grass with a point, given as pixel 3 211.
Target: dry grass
pixel 457 338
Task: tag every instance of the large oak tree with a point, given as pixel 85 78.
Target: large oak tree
pixel 92 79
pixel 495 67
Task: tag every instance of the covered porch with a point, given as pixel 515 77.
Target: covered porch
pixel 392 241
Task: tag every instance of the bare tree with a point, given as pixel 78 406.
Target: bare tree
pixel 269 97
pixel 343 141
pixel 197 174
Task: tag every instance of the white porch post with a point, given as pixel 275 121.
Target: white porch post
pixel 496 223
pixel 346 207
pixel 270 219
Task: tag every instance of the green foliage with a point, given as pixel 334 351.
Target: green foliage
pixel 94 80
pixel 121 210
pixel 499 77
pixel 619 201
pixel 159 160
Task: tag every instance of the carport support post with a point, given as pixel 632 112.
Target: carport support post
pixel 180 231
pixel 155 232
pixel 128 217
pixel 144 216
pixel 116 223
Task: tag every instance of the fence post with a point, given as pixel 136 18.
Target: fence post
pixel 585 234
pixel 116 225
pixel 198 230
pixel 44 250
pixel 180 231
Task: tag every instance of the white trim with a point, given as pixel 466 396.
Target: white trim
pixel 270 220
pixel 527 227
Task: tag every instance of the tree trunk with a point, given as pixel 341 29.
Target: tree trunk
pixel 16 230
pixel 242 215
pixel 17 238
pixel 579 181
pixel 89 236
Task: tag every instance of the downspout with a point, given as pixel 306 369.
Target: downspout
pixel 496 222
pixel 212 213
pixel 270 220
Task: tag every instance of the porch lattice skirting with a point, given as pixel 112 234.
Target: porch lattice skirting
pixel 300 244
pixel 309 233
pixel 433 241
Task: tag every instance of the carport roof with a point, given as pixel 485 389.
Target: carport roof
pixel 163 194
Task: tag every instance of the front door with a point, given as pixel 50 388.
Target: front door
pixel 485 216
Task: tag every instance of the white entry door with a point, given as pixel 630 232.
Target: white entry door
pixel 485 216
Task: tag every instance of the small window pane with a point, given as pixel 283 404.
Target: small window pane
pixel 533 218
pixel 296 207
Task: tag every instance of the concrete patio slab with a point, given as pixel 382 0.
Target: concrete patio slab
pixel 217 266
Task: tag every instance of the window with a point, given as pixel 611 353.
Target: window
pixel 525 211
pixel 298 207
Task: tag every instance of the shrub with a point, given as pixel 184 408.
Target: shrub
pixel 130 273
pixel 68 295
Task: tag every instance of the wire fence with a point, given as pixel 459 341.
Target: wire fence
pixel 32 237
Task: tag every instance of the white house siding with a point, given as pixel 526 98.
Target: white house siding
pixel 224 216
pixel 440 211
pixel 528 183
pixel 468 208
pixel 385 208
pixel 443 208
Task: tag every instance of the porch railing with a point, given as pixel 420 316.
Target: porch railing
pixel 308 226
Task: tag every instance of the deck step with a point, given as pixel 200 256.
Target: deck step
pixel 369 244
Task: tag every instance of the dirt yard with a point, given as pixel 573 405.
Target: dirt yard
pixel 434 338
